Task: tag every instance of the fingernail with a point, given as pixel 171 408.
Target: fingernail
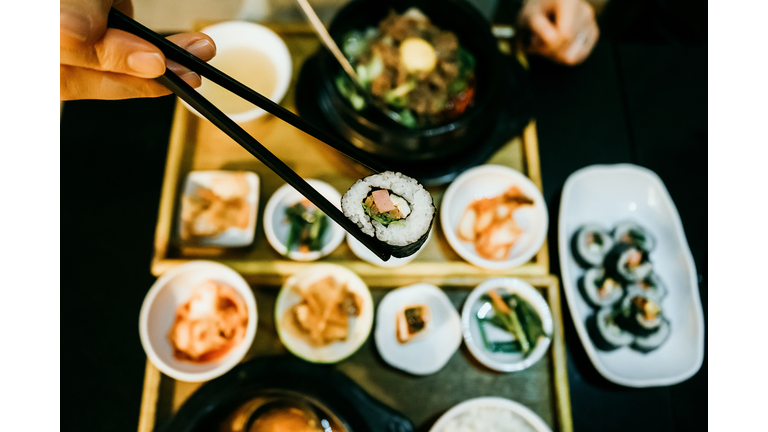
pixel 74 24
pixel 147 63
pixel 192 79
pixel 202 48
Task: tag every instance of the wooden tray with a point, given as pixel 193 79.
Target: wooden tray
pixel 543 387
pixel 196 144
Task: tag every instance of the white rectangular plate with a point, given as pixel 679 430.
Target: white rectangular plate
pixel 607 194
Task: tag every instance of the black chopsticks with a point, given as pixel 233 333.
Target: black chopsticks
pixel 228 126
pixel 172 51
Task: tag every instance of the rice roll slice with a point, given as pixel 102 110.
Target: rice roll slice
pixel 605 333
pixel 632 233
pixel 599 289
pixel 393 208
pixel 652 285
pixel 640 313
pixel 646 344
pixel 590 245
pixel 628 263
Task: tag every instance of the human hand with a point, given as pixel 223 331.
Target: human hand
pixel 105 63
pixel 564 31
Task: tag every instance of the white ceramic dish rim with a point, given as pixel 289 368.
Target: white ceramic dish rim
pixel 264 39
pixel 526 413
pixel 387 331
pixel 237 353
pixel 365 254
pixel 461 247
pixel 232 237
pixel 336 232
pixel 291 342
pixel 529 294
pixel 569 280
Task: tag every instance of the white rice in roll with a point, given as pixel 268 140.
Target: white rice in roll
pixel 416 223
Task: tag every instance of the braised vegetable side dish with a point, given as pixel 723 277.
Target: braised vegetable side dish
pixel 420 71
pixel 489 224
pixel 209 211
pixel 209 324
pixel 322 317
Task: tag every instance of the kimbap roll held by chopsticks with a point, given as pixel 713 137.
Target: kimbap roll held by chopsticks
pixel 393 208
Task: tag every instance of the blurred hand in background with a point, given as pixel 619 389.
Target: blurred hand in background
pixel 564 31
pixel 104 63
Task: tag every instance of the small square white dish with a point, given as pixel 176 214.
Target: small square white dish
pixel 606 195
pixel 232 236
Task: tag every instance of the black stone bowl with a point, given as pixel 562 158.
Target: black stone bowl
pixel 214 403
pixel 374 132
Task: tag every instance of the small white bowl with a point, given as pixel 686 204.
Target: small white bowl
pixel 505 362
pixel 365 254
pixel 476 404
pixel 158 312
pixel 359 326
pixel 429 354
pixel 233 236
pixel 276 227
pixel 488 181
pixel 240 45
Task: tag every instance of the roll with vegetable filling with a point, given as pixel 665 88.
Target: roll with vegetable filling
pixel 652 285
pixel 628 263
pixel 654 340
pixel 632 233
pixel 599 289
pixel 605 333
pixel 393 208
pixel 590 245
pixel 640 313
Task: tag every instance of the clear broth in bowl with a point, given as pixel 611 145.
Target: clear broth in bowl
pixel 247 65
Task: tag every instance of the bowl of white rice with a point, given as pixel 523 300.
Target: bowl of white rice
pixel 490 414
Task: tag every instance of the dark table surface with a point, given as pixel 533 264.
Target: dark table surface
pixel 640 103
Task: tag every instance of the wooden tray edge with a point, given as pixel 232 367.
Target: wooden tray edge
pixel 170 184
pixel 559 367
pixel 274 272
pixel 562 402
pixel 149 396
